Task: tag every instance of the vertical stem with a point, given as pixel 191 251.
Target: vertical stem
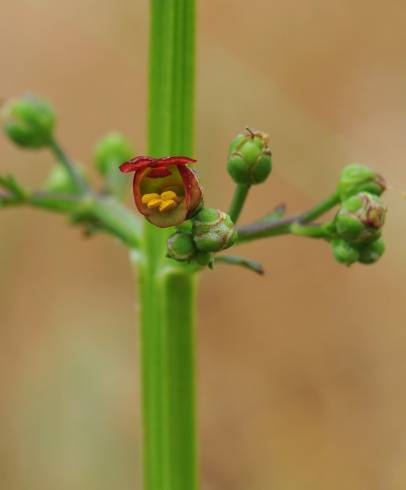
pixel 167 294
pixel 180 425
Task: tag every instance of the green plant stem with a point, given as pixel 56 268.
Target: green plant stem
pixel 178 290
pixel 69 165
pixel 259 230
pixel 311 231
pixel 321 208
pixel 237 203
pixel 167 301
pixel 105 212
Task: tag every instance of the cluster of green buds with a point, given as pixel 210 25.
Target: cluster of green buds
pixel 209 231
pixel 357 227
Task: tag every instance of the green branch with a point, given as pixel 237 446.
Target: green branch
pixel 266 229
pixel 103 212
pixel 69 166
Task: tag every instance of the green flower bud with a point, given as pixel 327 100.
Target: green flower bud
pixel 185 227
pixel 59 180
pixel 357 178
pixel 213 230
pixel 372 252
pixel 181 246
pixel 250 158
pixel 29 122
pixel 344 252
pixel 204 258
pixel 109 153
pixel 360 218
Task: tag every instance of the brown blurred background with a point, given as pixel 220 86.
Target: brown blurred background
pixel 302 373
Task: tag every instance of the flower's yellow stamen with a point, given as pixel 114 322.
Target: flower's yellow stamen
pixel 167 205
pixel 154 203
pixel 163 202
pixel 169 196
pixel 146 198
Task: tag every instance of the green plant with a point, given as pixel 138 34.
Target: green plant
pixel 180 237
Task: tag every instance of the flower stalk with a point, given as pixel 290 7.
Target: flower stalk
pixel 238 201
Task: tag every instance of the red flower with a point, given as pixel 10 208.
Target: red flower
pixel 166 191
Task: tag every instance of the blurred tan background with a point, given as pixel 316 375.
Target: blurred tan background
pixel 302 373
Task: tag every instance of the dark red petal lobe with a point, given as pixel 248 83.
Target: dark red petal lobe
pixel 141 162
pixel 136 163
pixel 165 161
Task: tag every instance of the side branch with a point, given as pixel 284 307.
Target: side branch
pixel 265 229
pixel 99 212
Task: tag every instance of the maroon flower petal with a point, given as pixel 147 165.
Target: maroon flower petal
pixel 193 189
pixel 136 163
pixel 165 161
pixel 141 162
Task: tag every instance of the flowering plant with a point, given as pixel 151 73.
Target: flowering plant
pixel 180 236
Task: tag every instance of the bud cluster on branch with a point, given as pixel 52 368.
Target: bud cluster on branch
pixel 167 192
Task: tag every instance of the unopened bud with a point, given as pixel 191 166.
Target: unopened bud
pixel 213 230
pixel 181 246
pixel 372 252
pixel 360 218
pixel 344 252
pixel 250 158
pixel 204 258
pixel 357 178
pixel 110 151
pixel 29 122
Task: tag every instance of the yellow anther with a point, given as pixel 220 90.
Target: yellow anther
pixel 167 205
pixel 168 196
pixel 154 203
pixel 146 198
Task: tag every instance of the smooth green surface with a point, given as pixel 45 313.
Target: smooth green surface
pixel 167 302
pixel 178 290
pixel 238 201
